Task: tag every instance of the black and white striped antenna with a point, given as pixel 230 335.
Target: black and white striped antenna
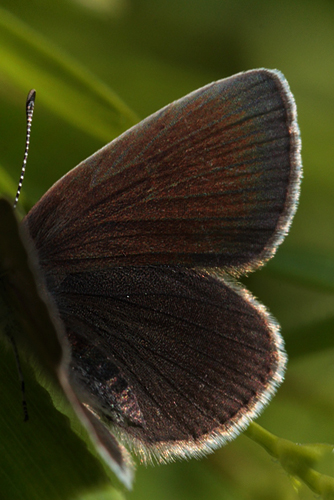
pixel 30 104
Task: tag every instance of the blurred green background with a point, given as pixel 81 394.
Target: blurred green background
pixel 101 65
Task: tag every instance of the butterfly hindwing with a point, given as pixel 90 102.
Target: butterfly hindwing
pixel 190 354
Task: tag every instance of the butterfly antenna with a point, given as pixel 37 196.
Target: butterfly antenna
pixel 30 104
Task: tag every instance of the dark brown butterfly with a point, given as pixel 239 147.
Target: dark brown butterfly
pixel 139 246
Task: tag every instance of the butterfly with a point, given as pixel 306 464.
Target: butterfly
pixel 139 248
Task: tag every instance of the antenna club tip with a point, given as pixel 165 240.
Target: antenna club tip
pixel 31 96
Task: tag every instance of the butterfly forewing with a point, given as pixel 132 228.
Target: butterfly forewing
pixel 209 180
